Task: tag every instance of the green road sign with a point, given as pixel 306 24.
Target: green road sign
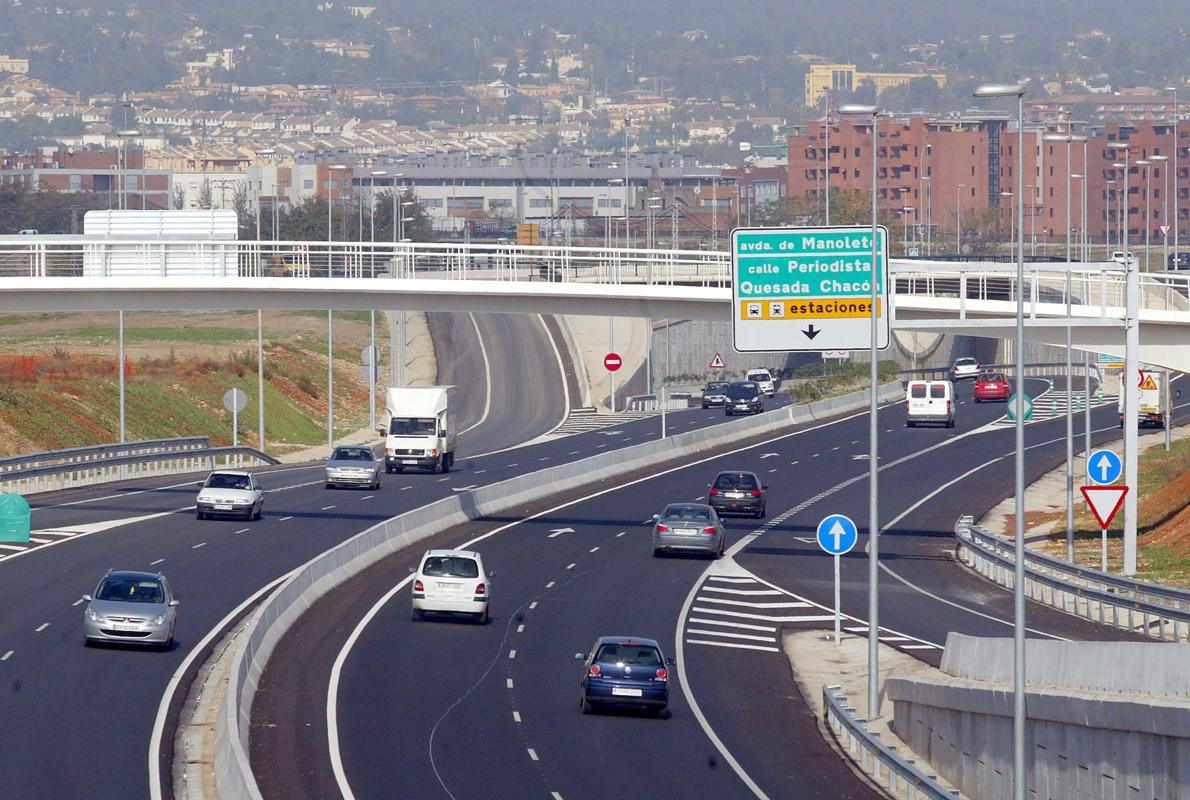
pixel 808 289
pixel 1012 406
pixel 15 518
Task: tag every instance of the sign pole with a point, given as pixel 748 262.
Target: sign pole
pixel 662 400
pixel 235 426
pixel 1103 532
pixel 838 634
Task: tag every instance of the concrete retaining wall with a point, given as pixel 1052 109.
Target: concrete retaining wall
pixel 1082 742
pixel 322 574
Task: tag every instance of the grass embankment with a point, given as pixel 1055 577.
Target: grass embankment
pixel 813 382
pixel 59 386
pixel 1163 524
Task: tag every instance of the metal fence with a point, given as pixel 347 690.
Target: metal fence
pixel 899 775
pixel 1097 286
pixel 1152 610
pixel 84 466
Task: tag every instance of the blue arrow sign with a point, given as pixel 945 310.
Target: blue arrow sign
pixel 1104 467
pixel 837 534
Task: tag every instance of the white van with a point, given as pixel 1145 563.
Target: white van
pixel 765 379
pixel 929 401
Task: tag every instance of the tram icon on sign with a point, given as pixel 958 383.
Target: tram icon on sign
pixel 753 311
pixel 776 309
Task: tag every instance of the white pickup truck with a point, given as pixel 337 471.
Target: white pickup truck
pixel 419 430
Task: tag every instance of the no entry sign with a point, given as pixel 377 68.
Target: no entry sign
pixel 612 362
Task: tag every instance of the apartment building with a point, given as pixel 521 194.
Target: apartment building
pixel 822 78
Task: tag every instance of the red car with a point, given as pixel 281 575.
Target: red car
pixel 991 386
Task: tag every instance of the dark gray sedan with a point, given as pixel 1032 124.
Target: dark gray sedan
pixel 353 465
pixel 689 528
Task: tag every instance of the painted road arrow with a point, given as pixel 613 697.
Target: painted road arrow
pixel 555 532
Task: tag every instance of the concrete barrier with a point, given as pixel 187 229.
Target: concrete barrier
pixel 1106 720
pixel 319 576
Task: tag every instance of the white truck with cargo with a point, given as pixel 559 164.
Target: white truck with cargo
pixel 419 429
pixel 1151 398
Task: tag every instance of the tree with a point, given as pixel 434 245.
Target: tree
pixel 419 228
pixel 205 198
pixel 245 214
pixel 179 197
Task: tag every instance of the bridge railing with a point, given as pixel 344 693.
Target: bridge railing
pixel 1153 610
pixel 84 466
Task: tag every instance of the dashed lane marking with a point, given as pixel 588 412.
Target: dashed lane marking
pixel 327 508
pixel 155 563
pixel 406 488
pixel 520 628
pixel 571 566
pixel 594 550
pixel 550 585
pixel 7 655
pixel 200 544
pixel 243 530
pixel 533 754
pixel 512 653
pixel 533 605
pixel 367 497
pixel 516 716
pixel 41 627
pixel 284 519
pixel 508 683
pixel 621 533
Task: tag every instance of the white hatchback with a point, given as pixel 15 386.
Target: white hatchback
pixel 765 379
pixel 452 581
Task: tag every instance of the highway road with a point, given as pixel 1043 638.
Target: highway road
pixel 441 709
pixel 78 721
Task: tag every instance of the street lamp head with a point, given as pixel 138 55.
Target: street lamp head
pixel 1171 88
pixel 858 109
pixel 1006 194
pixel 337 167
pixel 1075 176
pixel 268 151
pixel 129 132
pixel 379 172
pixel 1158 158
pixel 1056 137
pixel 1141 162
pixel 1118 165
pixel 1118 145
pixel 1000 90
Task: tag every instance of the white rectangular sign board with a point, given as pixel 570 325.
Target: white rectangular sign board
pixel 807 289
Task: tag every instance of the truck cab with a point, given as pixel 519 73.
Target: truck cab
pixel 419 430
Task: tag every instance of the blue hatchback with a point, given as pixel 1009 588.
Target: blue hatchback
pixel 625 672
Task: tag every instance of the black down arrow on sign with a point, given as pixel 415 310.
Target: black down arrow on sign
pixel 811 332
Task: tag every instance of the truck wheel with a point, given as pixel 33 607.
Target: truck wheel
pixel 448 461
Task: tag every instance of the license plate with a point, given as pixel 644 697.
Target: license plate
pixel 620 691
pixel 409 461
pixel 688 532
pixel 125 626
pixel 450 587
pixel 223 507
pixel 735 494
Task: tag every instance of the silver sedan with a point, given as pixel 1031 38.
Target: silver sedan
pixel 690 528
pixel 353 465
pixel 130 608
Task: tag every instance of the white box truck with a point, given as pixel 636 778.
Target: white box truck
pixel 419 429
pixel 1150 394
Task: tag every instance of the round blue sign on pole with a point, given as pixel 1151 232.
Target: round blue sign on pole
pixel 1104 467
pixel 837 534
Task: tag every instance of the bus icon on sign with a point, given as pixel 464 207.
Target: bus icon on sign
pixel 754 311
pixel 777 309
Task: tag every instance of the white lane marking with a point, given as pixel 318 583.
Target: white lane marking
pixel 467 488
pixel 735 645
pixel 555 796
pixel 13 547
pixel 520 628
pixel 533 754
pixel 752 592
pixel 544 458
pixel 594 549
pixel 723 601
pixel 833 449
pixel 572 453
pixel 816 455
pixel 367 497
pixel 533 605
pixel 512 653
pixel 480 471
pixel 406 488
pixel 571 566
pixel 440 480
pixel 730 635
pixel 857 629
pixel 793 463
pixel 550 585
pixel 726 579
pixel 243 530
pixel 487 376
pixel 516 716
pixel 41 627
pixel 556 532
pixel 919 647
pixel 59 532
pixel 510 466
pixel 167 696
pixel 744 626
pixel 155 563
pixel 7 655
pixel 77 602
pixel 621 533
pixel 200 544
pixel 765 617
pixel 773 469
pixel 856 441
pixel 893 638
pixel 508 683
pixel 341 658
pixel 285 519
pixel 38 541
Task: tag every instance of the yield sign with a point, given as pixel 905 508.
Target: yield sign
pixel 1104 501
pixel 1164 230
pixel 717 362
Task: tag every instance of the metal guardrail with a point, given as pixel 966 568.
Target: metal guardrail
pixel 1031 370
pixel 86 466
pixel 1156 611
pixel 880 760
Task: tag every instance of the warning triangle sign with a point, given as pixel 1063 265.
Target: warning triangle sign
pixel 1147 381
pixel 717 362
pixel 1104 501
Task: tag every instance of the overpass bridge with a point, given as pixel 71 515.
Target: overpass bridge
pixel 64 273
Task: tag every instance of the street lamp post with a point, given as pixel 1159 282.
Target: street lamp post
pixel 928 190
pixel 1164 209
pixel 1131 350
pixel 1144 162
pixel 958 228
pixel 1174 89
pixel 1018 585
pixel 873 113
pixel 1011 219
pixel 905 228
pixel 330 314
